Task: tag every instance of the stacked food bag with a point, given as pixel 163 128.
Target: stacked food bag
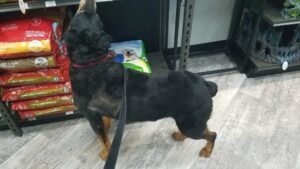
pixel 34 67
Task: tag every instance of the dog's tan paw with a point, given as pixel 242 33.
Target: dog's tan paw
pixel 178 136
pixel 104 154
pixel 205 152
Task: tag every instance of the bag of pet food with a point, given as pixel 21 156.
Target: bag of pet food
pixel 8 1
pixel 31 78
pixel 34 63
pixel 30 114
pixel 35 91
pixel 43 103
pixel 32 36
pixel 132 54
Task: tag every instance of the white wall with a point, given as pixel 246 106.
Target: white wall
pixel 211 21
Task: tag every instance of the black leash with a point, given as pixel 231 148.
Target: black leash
pixel 114 150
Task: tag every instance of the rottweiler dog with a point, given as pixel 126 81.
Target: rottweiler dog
pixel 97 83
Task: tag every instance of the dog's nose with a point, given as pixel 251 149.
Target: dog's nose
pixel 128 52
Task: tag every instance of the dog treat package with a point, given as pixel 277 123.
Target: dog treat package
pixel 132 54
pixel 31 36
pixel 30 114
pixel 37 77
pixel 34 63
pixel 35 91
pixel 43 103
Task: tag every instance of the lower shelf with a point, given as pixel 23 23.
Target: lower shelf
pixel 253 67
pixel 50 119
pixel 44 120
pixel 263 68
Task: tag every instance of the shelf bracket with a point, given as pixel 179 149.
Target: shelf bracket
pixel 9 120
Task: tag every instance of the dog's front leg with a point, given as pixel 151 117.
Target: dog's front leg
pixel 210 137
pixel 178 136
pixel 104 137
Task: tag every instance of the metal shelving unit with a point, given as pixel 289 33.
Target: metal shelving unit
pixel 185 53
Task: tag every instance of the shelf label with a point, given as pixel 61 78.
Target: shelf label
pixel 50 3
pixel 31 118
pixel 285 65
pixel 69 112
pixel 23 6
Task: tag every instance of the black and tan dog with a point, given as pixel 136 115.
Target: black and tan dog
pixel 97 83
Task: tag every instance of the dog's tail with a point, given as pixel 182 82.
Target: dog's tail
pixel 212 88
pixel 87 6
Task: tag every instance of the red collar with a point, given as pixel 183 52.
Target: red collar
pixel 94 63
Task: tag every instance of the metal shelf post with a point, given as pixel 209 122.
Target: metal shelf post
pixel 186 34
pixel 9 120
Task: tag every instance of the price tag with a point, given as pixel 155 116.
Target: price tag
pixel 23 6
pixel 50 3
pixel 285 65
pixel 69 112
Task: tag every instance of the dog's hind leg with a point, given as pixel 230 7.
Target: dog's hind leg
pixel 210 137
pixel 104 137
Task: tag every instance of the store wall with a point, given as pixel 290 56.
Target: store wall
pixel 211 21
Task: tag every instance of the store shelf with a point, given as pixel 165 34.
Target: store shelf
pixel 38 4
pixel 254 67
pixel 262 68
pixel 50 119
pixel 272 16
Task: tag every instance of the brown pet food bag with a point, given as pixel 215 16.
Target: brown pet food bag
pixel 8 1
pixel 34 63
pixel 32 78
pixel 32 36
pixel 29 114
pixel 27 64
pixel 43 103
pixel 35 91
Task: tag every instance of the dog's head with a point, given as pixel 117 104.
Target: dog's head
pixel 86 39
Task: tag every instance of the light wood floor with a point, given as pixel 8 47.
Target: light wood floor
pixel 257 121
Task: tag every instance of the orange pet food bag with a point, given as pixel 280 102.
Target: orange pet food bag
pixel 34 63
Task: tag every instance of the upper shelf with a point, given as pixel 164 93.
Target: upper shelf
pixel 37 4
pixel 273 17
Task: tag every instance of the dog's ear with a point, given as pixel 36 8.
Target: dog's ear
pixel 212 88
